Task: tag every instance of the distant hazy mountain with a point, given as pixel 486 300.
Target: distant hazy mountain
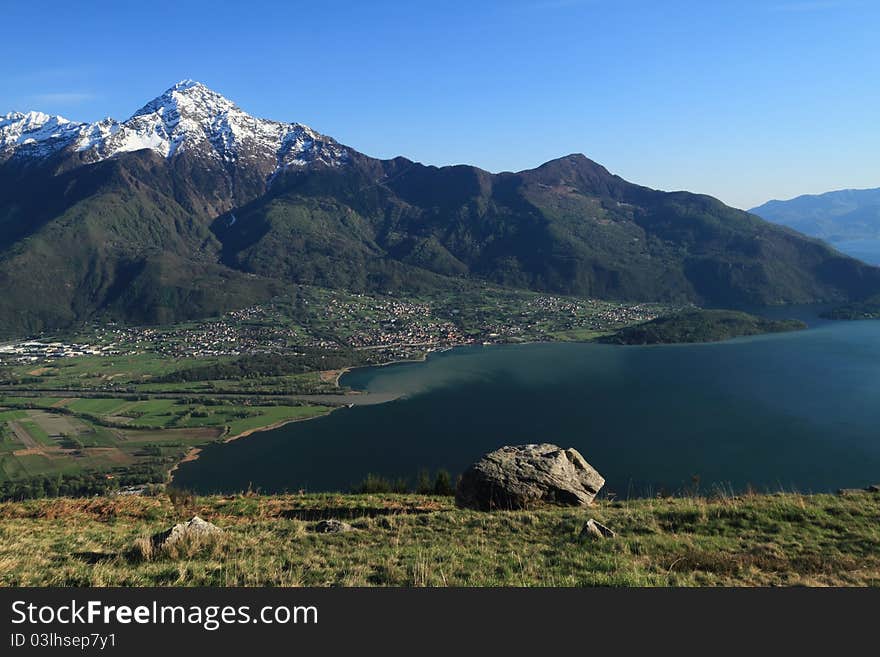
pixel 848 214
pixel 192 206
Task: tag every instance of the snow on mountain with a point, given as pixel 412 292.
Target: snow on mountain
pixel 36 133
pixel 187 118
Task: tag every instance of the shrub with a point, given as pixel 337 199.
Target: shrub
pixel 424 485
pixel 372 484
pixel 182 500
pixel 443 483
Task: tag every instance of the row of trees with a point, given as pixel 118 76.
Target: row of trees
pixel 440 484
pixel 84 484
pixel 152 471
pixel 265 365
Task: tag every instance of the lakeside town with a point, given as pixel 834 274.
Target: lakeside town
pixel 393 328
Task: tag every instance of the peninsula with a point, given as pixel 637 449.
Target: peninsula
pixel 700 326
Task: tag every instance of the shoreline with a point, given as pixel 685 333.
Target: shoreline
pixel 400 361
pixel 193 453
pixel 274 425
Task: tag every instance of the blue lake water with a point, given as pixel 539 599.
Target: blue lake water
pixel 791 411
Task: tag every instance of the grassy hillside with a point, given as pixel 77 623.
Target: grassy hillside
pixel 785 539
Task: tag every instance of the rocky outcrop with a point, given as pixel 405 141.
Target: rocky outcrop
pixel 524 476
pixel 595 529
pixel 332 526
pixel 191 529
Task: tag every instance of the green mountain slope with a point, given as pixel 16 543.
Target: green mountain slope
pixel 120 238
pixel 568 226
pixel 142 238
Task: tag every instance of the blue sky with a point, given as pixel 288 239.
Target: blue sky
pixel 746 101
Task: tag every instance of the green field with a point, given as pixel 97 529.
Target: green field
pixel 136 375
pixel 89 436
pixel 274 415
pixel 578 335
pixel 37 432
pixel 101 372
pixel 173 413
pixel 97 406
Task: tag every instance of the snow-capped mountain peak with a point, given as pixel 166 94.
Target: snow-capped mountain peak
pixel 188 117
pixel 188 98
pixel 35 131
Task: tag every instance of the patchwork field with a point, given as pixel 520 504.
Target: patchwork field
pixel 48 437
pixel 91 424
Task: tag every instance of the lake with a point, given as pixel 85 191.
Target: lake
pixel 790 411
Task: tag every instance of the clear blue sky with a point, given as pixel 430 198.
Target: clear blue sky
pixel 746 101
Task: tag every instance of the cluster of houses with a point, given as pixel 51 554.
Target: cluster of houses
pixel 36 350
pixel 370 323
pixel 594 314
pixel 393 328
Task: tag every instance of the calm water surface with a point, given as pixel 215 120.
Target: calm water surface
pixel 799 410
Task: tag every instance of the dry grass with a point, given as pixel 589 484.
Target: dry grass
pixel 423 541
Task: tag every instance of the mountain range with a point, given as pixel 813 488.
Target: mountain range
pixel 192 206
pixel 843 215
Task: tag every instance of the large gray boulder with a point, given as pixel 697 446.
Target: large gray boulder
pixel 524 476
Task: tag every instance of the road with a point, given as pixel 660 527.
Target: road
pixel 349 399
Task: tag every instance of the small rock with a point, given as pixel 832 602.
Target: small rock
pixel 875 488
pixel 332 527
pixel 594 529
pixel 195 527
